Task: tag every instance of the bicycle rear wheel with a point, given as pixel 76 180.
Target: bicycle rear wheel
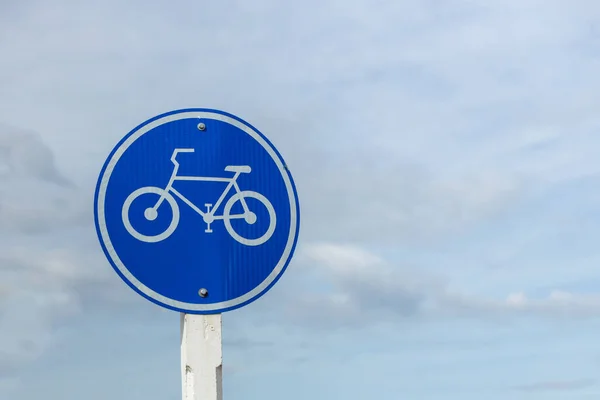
pixel 265 202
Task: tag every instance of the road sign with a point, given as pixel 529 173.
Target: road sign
pixel 197 211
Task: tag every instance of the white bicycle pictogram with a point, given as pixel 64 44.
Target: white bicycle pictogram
pixel 209 215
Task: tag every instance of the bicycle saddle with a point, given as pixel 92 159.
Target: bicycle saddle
pixel 243 169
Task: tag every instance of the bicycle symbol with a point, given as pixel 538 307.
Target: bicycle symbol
pixel 209 215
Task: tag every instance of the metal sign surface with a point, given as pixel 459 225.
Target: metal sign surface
pixel 196 211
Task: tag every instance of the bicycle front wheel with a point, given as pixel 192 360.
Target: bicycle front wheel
pixel 152 190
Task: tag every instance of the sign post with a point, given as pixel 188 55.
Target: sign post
pixel 201 357
pixel 197 212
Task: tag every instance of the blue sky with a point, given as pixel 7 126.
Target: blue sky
pixel 446 157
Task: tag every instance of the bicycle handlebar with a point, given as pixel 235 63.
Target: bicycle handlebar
pixel 177 151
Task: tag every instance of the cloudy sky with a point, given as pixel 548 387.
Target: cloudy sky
pixel 446 158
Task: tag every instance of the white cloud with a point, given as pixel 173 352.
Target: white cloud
pixel 367 287
pixel 558 385
pixel 344 260
pixel 34 196
pixel 45 260
pixel 380 200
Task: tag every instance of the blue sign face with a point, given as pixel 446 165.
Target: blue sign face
pixel 197 211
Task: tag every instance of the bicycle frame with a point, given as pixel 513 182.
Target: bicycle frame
pixel 209 215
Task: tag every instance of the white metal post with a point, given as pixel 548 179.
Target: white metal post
pixel 201 357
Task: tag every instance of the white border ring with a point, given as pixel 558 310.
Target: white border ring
pixel 157 297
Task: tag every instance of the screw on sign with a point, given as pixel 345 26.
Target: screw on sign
pixel 197 212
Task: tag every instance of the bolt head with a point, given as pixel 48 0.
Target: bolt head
pixel 203 292
pixel 201 126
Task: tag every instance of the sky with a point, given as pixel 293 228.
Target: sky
pixel 446 160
